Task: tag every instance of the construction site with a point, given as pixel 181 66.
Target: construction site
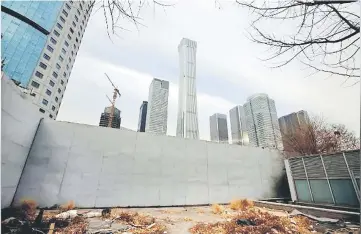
pixel 62 177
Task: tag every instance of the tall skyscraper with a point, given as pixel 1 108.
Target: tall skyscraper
pixel 105 118
pixel 218 128
pixel 142 116
pixel 157 110
pixel 238 126
pixel 262 122
pixel 39 42
pixel 187 119
pixel 289 123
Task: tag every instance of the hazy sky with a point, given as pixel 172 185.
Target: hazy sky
pixel 229 69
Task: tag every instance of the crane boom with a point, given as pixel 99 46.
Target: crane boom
pixel 115 95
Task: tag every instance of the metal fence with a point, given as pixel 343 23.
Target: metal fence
pixel 325 179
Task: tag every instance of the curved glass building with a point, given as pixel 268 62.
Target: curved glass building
pixel 39 44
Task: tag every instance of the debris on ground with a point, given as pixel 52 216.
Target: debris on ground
pixel 318 219
pixel 217 209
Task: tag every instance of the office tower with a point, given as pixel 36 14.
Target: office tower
pixel 238 126
pixel 291 122
pixel 157 110
pixel 262 122
pixel 105 118
pixel 142 116
pixel 39 42
pixel 218 128
pixel 187 119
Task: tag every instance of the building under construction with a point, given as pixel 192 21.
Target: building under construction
pixel 106 116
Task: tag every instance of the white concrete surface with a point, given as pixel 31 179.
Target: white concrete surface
pixel 19 121
pixel 99 167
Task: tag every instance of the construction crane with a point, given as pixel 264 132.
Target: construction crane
pixel 115 95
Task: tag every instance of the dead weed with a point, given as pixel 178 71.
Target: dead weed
pixel 217 209
pixel 241 204
pixel 67 206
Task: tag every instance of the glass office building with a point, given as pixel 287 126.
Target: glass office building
pixel 25 26
pixel 39 44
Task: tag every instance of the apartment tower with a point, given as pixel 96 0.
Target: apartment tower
pixel 187 119
pixel 142 116
pixel 238 126
pixel 262 122
pixel 218 128
pixel 157 110
pixel 291 122
pixel 39 43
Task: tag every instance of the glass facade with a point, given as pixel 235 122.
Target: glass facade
pixel 21 43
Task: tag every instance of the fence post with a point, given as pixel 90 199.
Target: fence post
pixel 354 183
pixel 328 181
pixel 291 182
pixel 308 182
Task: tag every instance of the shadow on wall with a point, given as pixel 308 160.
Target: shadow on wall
pixel 281 186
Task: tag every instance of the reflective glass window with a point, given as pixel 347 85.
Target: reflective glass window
pixel 64 74
pixel 66 43
pixel 67 6
pixel 71 30
pixel 53 108
pixel 35 84
pixel 62 82
pixel 39 74
pixel 48 92
pixel 56 33
pixel 59 90
pixel 76 18
pixel 78 12
pixel 56 99
pixel 58 66
pixel 51 116
pixel 59 26
pixel 51 83
pixel 45 102
pixel 63 51
pixel 69 37
pixel 42 65
pixel 41 110
pixel 74 24
pixel 55 74
pixel 61 58
pixel 53 40
pixel 47 57
pixel 50 48
pixel 65 13
pixel 62 19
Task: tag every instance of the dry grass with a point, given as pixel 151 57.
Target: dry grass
pixel 264 223
pixel 242 204
pixel 217 209
pixel 28 207
pixel 67 206
pixel 77 225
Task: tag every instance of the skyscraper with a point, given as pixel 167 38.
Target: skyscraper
pixel 289 123
pixel 262 122
pixel 142 117
pixel 187 119
pixel 39 42
pixel 238 126
pixel 218 128
pixel 105 118
pixel 157 110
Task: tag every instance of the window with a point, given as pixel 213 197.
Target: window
pixel 45 102
pixel 64 74
pixel 71 30
pixel 47 57
pixel 76 18
pixel 51 116
pixel 66 43
pixel 71 2
pixel 38 74
pixel 59 26
pixel 53 108
pixel 65 13
pixel 42 65
pixel 58 66
pixel 55 74
pixel 59 90
pixel 56 33
pixel 35 84
pixel 62 82
pixel 79 34
pixel 69 37
pixel 81 7
pixel 63 51
pixel 61 58
pixel 81 28
pixel 51 83
pixel 83 22
pixel 67 67
pixel 74 46
pixel 78 12
pixel 48 92
pixel 76 39
pixel 50 48
pixel 41 110
pixel 74 24
pixel 72 53
pixel 62 19
pixel 53 40
pixel 67 6
pixel 56 99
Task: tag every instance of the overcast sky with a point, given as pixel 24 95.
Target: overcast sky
pixel 229 69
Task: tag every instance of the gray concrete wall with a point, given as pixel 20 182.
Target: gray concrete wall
pixel 19 121
pixel 99 167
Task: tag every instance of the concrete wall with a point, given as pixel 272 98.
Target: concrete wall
pixel 99 167
pixel 19 121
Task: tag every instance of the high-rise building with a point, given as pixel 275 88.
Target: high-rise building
pixel 238 126
pixel 218 128
pixel 157 110
pixel 262 122
pixel 39 42
pixel 105 118
pixel 142 117
pixel 291 122
pixel 187 119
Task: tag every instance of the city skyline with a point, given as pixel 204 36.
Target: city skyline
pixel 227 73
pixel 40 51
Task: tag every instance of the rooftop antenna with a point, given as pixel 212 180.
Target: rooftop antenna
pixel 115 95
